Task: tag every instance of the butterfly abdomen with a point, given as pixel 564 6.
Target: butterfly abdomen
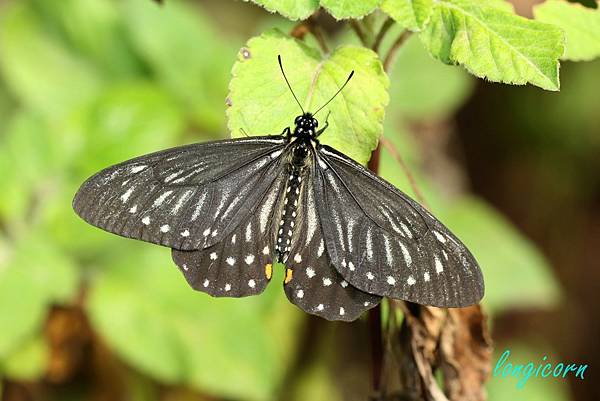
pixel 287 219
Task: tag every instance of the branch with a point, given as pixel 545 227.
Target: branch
pixel 389 146
pixel 381 34
pixel 390 58
pixel 357 28
pixel 310 26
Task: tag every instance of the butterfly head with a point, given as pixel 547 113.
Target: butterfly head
pixel 305 124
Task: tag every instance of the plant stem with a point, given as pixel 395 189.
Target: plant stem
pixel 411 180
pixel 375 332
pixel 381 34
pixel 390 57
pixel 358 29
pixel 310 26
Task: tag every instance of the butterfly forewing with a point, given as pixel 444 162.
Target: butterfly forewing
pixel 384 243
pixel 185 198
pixel 241 263
pixel 313 283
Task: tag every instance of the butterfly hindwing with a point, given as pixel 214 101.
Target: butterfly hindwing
pixel 384 243
pixel 313 284
pixel 185 198
pixel 241 263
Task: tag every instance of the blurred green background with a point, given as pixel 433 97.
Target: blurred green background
pixel 85 315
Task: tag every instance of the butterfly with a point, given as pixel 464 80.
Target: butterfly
pixel 231 209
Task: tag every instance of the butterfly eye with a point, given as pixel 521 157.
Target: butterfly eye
pixel 315 122
pixel 297 120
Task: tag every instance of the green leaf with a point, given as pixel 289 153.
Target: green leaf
pixel 423 88
pixel 342 9
pixel 262 104
pixel 291 9
pixel 28 154
pixel 186 53
pixel 145 310
pixel 494 43
pixel 39 69
pixel 410 14
pixel 580 24
pixel 125 121
pixel 515 272
pixel 33 277
pixel 28 362
pixel 94 30
pixel 302 9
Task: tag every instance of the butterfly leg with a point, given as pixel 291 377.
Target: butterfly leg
pixel 286 132
pixel 319 132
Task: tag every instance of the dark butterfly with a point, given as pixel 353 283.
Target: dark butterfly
pixel 230 209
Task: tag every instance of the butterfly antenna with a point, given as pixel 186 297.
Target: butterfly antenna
pixel 288 83
pixel 336 93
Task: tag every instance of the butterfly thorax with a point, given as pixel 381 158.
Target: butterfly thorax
pixel 305 125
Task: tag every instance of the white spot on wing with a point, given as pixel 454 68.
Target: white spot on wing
pixel 351 266
pixel 137 169
pixel 165 228
pixel 320 307
pixel 249 259
pixel 297 258
pixel 310 272
pixel 159 201
pixel 311 218
pixel 227 287
pixel 390 220
pixel 342 311
pixel 321 248
pixel 266 250
pixel 213 256
pixel 186 195
pixel 249 232
pixel 198 207
pixel 388 250
pixel 133 209
pixel 405 254
pixel 174 175
pixel 276 154
pixel 230 261
pixel 206 232
pixel 391 280
pixel 251 283
pixel 406 230
pixel 411 280
pixel 344 283
pixel 127 194
pixel 369 240
pixel 351 224
pixel 146 220
pixel 438 266
pixel 206 283
pixel 370 276
pixel 439 236
pixel 265 211
pixel 300 294
pixel 426 276
pixel 327 282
